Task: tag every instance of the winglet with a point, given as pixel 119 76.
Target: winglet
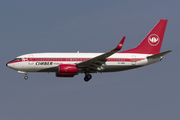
pixel 120 44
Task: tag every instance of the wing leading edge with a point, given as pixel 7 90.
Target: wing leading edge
pixel 101 59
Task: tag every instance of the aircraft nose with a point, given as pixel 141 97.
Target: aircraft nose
pixel 7 64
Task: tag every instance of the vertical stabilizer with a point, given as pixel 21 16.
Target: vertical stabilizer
pixel 153 41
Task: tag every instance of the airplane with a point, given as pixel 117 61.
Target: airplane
pixel 71 64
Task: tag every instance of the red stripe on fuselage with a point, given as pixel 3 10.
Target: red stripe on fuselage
pixel 78 59
pixel 84 59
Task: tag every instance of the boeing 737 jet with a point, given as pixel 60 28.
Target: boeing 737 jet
pixel 71 64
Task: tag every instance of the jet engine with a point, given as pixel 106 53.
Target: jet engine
pixel 66 70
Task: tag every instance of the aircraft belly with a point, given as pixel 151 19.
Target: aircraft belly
pixel 114 68
pixel 48 69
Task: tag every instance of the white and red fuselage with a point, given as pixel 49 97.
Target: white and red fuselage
pixel 70 64
pixel 49 62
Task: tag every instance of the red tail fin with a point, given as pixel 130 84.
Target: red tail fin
pixel 152 42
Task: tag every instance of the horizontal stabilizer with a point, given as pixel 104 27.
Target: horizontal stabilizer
pixel 159 54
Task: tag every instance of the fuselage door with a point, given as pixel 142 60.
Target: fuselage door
pixel 31 59
pixel 133 60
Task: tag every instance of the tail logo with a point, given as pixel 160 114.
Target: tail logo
pixel 153 39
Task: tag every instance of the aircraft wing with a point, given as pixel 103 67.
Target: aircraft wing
pixel 101 59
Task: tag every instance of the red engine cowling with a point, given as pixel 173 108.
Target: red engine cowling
pixel 66 70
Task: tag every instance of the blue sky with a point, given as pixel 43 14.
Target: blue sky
pixel 150 92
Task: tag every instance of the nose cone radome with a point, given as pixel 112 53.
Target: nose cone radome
pixel 10 65
pixel 7 65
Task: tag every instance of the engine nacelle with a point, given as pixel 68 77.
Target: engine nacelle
pixel 66 70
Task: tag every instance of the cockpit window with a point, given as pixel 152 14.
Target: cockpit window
pixel 17 59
